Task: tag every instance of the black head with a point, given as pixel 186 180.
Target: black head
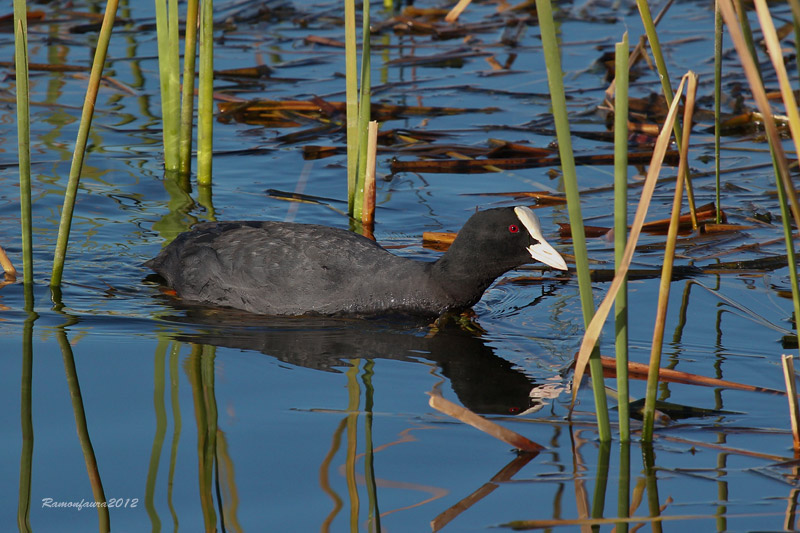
pixel 505 238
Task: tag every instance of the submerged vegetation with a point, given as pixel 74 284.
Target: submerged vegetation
pixel 653 133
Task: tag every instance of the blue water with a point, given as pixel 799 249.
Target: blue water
pixel 325 424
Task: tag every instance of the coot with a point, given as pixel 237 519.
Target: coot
pixel 281 268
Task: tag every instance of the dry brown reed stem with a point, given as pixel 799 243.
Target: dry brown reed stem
pixel 368 211
pixel 8 267
pixel 596 325
pixel 666 271
pixel 791 394
pixel 497 431
pixel 459 8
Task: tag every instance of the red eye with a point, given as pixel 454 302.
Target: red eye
pixel 513 228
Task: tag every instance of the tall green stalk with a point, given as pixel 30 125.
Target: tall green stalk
pixel 351 97
pixel 666 86
pixel 80 144
pixel 205 98
pixel 169 76
pixel 187 96
pixel 717 107
pixel 23 135
pixel 364 110
pixel 558 99
pixel 621 229
pixel 747 32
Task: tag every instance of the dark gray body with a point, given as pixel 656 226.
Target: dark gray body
pixel 278 268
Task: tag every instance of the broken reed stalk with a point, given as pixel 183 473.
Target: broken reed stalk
pixel 791 394
pixel 205 96
pixel 80 144
pixel 364 112
pixel 358 108
pixel 368 211
pixel 169 77
pixel 622 50
pixel 187 94
pixel 596 326
pixel 666 86
pixel 559 105
pixel 666 270
pixel 23 143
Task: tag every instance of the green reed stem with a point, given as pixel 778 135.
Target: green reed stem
pixel 786 218
pixel 205 97
pixel 80 143
pixel 717 107
pixel 556 84
pixel 795 6
pixel 167 30
pixel 622 50
pixel 666 86
pixel 351 80
pixel 747 32
pixel 187 94
pixel 23 135
pixel 364 111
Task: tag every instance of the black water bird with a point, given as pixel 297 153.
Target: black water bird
pixel 281 268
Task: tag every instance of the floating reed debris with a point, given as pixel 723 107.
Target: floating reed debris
pixel 8 267
pixel 438 402
pixel 472 166
pixel 265 112
pixel 668 375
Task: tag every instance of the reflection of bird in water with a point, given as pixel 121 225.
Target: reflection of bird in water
pixel 483 382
